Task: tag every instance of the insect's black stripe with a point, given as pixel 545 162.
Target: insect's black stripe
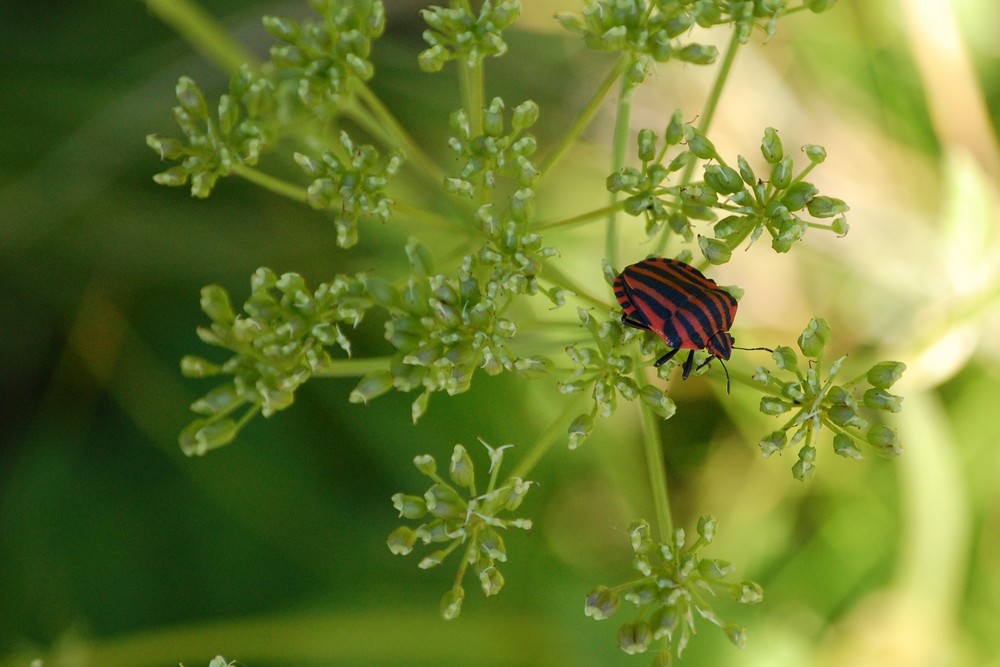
pixel 704 292
pixel 631 315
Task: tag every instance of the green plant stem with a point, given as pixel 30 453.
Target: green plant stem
pixel 582 121
pixel 202 32
pixel 343 368
pixel 581 219
pixel 471 82
pixel 428 218
pixel 618 161
pixel 545 440
pixel 272 183
pixel 657 472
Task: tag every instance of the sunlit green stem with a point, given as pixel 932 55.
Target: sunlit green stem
pixel 202 32
pixel 620 146
pixel 341 368
pixel 545 440
pixel 657 472
pixel 581 219
pixel 273 184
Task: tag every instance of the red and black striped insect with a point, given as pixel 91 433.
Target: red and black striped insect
pixel 679 304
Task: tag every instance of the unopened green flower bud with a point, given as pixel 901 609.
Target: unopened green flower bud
pixel 491 580
pixel 770 146
pixel 884 440
pixel 724 180
pixel 880 399
pixel 675 128
pixel 635 637
pixel 737 634
pixel 781 173
pixel 747 592
pixel 699 144
pixel 707 527
pixel 401 540
pixel 816 335
pixel 202 435
pixel 647 145
pixel 197 367
pixel 785 358
pixel 715 569
pixel 826 207
pixel 461 470
pixel 844 445
pixel 714 250
pixel 493 545
pixel 657 399
pixel 409 507
pixel 215 303
pixel 419 406
pixel 885 374
pixel 601 603
pixel 799 195
pixel 425 464
pixel 580 429
pixel 371 386
pixel 698 54
pixel 770 405
pixel 451 603
pixel 844 415
pixel 818 6
pixel 220 400
pixel 773 442
pixel 190 98
pixel 525 115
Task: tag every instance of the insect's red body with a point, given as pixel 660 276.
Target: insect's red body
pixel 678 303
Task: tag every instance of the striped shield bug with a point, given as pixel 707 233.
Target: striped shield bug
pixel 679 304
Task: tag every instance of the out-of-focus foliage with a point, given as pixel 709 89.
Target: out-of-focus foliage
pixel 117 549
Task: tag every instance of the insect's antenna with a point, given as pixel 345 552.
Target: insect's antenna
pixel 749 349
pixel 727 373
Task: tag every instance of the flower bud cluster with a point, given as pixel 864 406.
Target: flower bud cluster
pixel 351 183
pixel 316 60
pixel 453 513
pixel 670 592
pixel 279 342
pixel 750 205
pixel 214 142
pixel 456 33
pixel 606 372
pixel 816 402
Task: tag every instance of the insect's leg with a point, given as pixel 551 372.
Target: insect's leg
pixel 667 357
pixel 688 364
pixel 633 322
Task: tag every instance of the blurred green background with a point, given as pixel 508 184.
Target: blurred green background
pixel 115 549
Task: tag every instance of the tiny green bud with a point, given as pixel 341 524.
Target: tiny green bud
pixel 826 207
pixel 737 634
pixel 640 536
pixel 409 507
pixel 493 118
pixel 746 172
pixel 433 59
pixel 773 442
pixel 839 226
pixel 444 502
pixel 707 527
pixel 419 406
pixel 880 399
pixel 571 22
pixel 724 180
pixel 815 337
pixel 220 400
pixel 715 569
pixel 663 621
pixel 698 54
pixel 885 374
pixel 190 98
pixel 491 544
pixel 401 540
pixel 675 128
pixel 451 603
pixel 844 446
pixel 816 154
pixel 173 177
pixel 287 30
pixel 601 603
pixel 425 464
pixel 580 429
pixel 799 195
pixel 803 470
pixel 747 592
pixel 884 440
pixel 714 250
pixel 525 115
pixel 635 637
pixel 657 399
pixel 461 470
pixel 770 405
pixel 215 303
pixel 491 580
pixel 647 145
pixel 371 386
pixel 203 435
pixel 770 146
pixel 781 173
pixel 197 367
pixel 699 144
pixel 843 415
pixel 785 358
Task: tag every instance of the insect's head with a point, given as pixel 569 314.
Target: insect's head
pixel 720 345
